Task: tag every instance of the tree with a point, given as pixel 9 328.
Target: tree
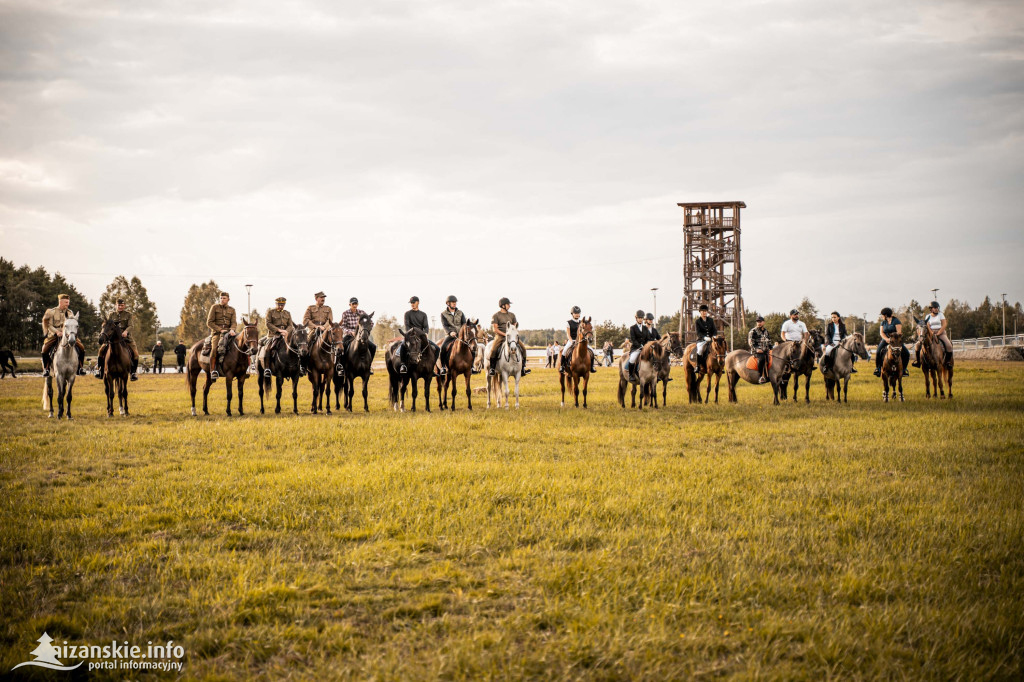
pixel 198 300
pixel 26 294
pixel 385 328
pixel 809 314
pixel 609 331
pixel 136 301
pixel 666 324
pixel 254 317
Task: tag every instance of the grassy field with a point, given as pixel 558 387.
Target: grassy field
pixel 799 542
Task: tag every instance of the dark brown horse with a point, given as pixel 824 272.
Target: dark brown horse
pixel 460 362
pixel 324 356
pixel 422 359
pixel 284 362
pixel 892 367
pixel 713 364
pixel 932 365
pixel 577 366
pixel 117 367
pixel 240 350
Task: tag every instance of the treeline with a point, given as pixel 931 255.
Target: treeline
pixel 26 294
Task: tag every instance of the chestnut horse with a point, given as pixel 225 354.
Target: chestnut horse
pixel 240 351
pixel 324 359
pixel 578 363
pixel 697 370
pixel 460 362
pixel 932 365
pixel 892 367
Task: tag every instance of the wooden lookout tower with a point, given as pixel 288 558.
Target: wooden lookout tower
pixel 712 268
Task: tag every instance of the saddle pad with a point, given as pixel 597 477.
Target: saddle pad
pixel 752 362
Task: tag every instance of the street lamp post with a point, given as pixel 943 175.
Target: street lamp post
pixel 935 294
pixel 654 290
pixel 1004 319
pixel 865 328
pixel 248 300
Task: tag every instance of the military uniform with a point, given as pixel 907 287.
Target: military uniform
pixel 53 321
pixel 278 322
pixel 221 319
pixel 124 319
pixel 316 316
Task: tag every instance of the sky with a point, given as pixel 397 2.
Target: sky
pixel 529 150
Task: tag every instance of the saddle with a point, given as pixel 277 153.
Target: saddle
pixel 752 362
pixel 207 347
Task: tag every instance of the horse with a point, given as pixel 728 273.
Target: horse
pixel 736 368
pixel 651 357
pixel 670 345
pixel 510 362
pixel 323 364
pixel 892 367
pixel 117 367
pixel 422 358
pixel 932 365
pixel 577 365
pixel 460 362
pixel 8 363
pixel 240 350
pixel 801 356
pixel 284 362
pixel 65 369
pixel 842 365
pixel 697 370
pixel 357 359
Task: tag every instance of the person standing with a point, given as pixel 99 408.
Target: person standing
pixel 158 357
pixel 499 325
pixel 179 353
pixel 761 344
pixel 123 318
pixel 53 328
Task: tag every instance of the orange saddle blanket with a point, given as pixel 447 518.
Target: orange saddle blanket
pixel 752 362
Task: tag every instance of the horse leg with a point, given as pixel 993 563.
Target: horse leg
pixel 71 389
pixel 259 383
pixel 228 389
pixel 416 391
pixel 191 382
pixel 449 379
pixel 899 382
pixel 949 383
pixel 241 392
pixel 586 383
pixel 846 388
pixel 60 399
pixel 561 380
pixel 633 397
pixel 576 389
pixel 469 391
pixel 775 390
pixel 622 391
pixel 517 378
pixel 730 379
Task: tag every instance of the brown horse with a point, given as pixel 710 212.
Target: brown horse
pixel 670 345
pixel 324 356
pixel 577 365
pixel 649 364
pixel 801 356
pixel 736 368
pixel 932 365
pixel 240 350
pixel 460 362
pixel 696 370
pixel 892 367
pixel 118 367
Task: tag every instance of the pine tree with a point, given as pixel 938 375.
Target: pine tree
pixel 136 300
pixel 198 300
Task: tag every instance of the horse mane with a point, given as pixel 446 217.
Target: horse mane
pixel 651 348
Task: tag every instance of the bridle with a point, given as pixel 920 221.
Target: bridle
pixel 464 336
pixel 248 350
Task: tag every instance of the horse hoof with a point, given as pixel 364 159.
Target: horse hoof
pixel 193 413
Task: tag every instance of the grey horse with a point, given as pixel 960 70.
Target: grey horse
pixel 650 360
pixel 510 363
pixel 736 369
pixel 842 366
pixel 65 369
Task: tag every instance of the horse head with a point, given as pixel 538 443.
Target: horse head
pixel 110 332
pixel 250 337
pixel 365 327
pixel 585 333
pixel 857 346
pixel 415 344
pixel 70 331
pixel 298 341
pixel 468 332
pixel 512 340
pixel 818 340
pixel 676 344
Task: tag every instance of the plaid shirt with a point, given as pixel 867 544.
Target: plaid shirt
pixel 350 321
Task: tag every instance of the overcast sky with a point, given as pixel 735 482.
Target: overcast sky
pixel 533 150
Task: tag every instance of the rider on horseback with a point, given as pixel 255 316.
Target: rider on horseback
pixel 221 322
pixel 279 321
pixel 651 329
pixel 571 330
pixel 350 326
pixel 835 332
pixel 415 319
pixel 499 325
pixel 937 322
pixel 890 325
pixel 124 320
pixel 452 320
pixel 760 342
pixel 639 335
pixel 706 330
pixel 53 328
pixel 317 315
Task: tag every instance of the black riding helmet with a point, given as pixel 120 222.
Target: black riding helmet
pixel 504 301
pixel 640 314
pixel 451 299
pixel 414 299
pixel 650 316
pixel 575 309
pixel 934 304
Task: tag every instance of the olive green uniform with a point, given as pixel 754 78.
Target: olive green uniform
pixel 278 322
pixel 124 320
pixel 220 320
pixel 316 316
pixel 53 321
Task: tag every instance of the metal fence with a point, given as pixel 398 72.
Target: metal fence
pixel 988 342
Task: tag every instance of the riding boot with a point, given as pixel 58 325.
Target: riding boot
pixel 135 369
pixel 524 370
pixel 47 361
pixel 917 357
pixel 81 360
pixel 947 360
pixel 593 362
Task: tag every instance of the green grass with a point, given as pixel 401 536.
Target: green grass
pixel 799 542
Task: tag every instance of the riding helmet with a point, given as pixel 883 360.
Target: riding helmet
pixel 575 309
pixel 703 306
pixel 640 314
pixel 354 300
pixel 504 301
pixel 935 304
pixel 451 299
pixel 414 299
pixel 650 316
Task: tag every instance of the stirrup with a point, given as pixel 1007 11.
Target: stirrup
pixel 99 373
pixel 134 377
pixel 214 374
pixel 402 369
pixel 915 363
pixel 46 372
pixel 267 373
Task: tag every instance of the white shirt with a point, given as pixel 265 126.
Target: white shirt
pixel 935 321
pixel 793 331
pixel 835 337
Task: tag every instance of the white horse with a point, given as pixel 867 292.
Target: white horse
pixel 510 361
pixel 65 369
